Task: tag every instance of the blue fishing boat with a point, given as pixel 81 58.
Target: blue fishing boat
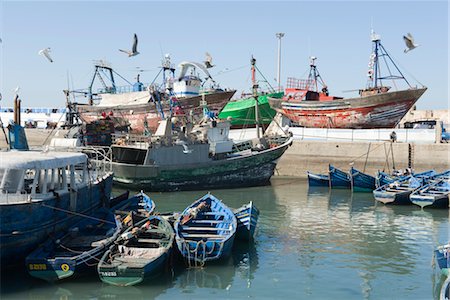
pixel 398 192
pixel 361 182
pixel 318 180
pixel 247 219
pixel 434 194
pixel 338 178
pixel 140 203
pixel 205 231
pixel 44 193
pixel 141 252
pixel 76 250
pixel 443 258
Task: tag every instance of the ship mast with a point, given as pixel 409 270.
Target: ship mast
pixel 255 95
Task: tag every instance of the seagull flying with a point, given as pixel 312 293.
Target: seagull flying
pixel 208 60
pixel 409 41
pixel 46 52
pixel 133 51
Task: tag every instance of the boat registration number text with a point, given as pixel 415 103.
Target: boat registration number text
pixel 108 274
pixel 37 267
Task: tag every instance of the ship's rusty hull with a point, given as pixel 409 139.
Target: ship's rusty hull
pixel 382 110
pixel 145 116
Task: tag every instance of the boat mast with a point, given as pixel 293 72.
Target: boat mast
pixel 255 95
pixel 279 36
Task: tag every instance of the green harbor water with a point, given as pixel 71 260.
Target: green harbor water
pixel 311 244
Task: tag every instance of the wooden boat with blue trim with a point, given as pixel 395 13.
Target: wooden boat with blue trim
pixel 247 219
pixel 140 253
pixel 317 180
pixel 361 182
pixel 338 178
pixel 399 191
pixel 205 231
pixel 76 250
pixel 140 203
pixel 442 254
pixel 435 194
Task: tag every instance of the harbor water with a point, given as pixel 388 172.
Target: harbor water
pixel 311 244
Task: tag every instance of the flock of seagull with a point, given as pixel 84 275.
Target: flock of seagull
pixel 409 41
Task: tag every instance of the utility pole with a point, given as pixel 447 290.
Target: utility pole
pixel 279 35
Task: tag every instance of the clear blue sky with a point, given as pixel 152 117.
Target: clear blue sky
pixel 336 32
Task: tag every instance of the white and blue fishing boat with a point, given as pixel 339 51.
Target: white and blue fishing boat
pixel 434 194
pixel 139 203
pixel 442 254
pixel 205 231
pixel 398 192
pixel 361 182
pixel 76 250
pixel 141 252
pixel 338 178
pixel 43 193
pixel 317 180
pixel 247 219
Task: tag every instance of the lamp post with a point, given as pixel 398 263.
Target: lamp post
pixel 279 35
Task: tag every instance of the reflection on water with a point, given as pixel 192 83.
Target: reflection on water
pixel 311 243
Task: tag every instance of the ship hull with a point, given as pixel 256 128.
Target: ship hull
pixel 382 110
pixel 251 170
pixel 24 226
pixel 146 116
pixel 242 111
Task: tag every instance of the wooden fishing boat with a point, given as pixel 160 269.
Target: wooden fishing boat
pixel 442 254
pixel 205 231
pixel 361 182
pixel 318 180
pixel 434 194
pixel 338 178
pixel 140 203
pixel 141 252
pixel 306 105
pixel 78 249
pixel 247 219
pixel 399 191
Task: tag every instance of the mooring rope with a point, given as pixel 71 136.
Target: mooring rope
pixel 77 214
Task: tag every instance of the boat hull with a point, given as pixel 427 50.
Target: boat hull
pixel 24 226
pixel 338 179
pixel 383 110
pixel 251 170
pixel 443 260
pixel 318 180
pixel 361 182
pixel 242 111
pixel 247 219
pixel 145 117
pixel 440 201
pixel 399 198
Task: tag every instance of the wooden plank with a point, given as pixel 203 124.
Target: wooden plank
pixel 210 221
pixel 149 241
pixel 205 235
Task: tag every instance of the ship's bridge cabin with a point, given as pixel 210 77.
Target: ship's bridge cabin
pixel 27 175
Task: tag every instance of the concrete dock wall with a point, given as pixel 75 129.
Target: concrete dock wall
pixel 315 156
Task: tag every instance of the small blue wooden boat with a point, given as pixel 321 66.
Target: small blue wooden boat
pixel 434 194
pixel 443 258
pixel 139 203
pixel 338 178
pixel 247 219
pixel 205 231
pixel 140 253
pixel 77 249
pixel 318 179
pixel 398 192
pixel 361 182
